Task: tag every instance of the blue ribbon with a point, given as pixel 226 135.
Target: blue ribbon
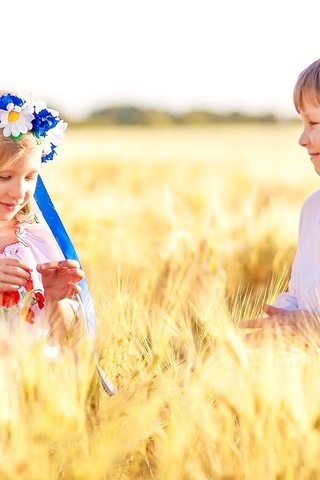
pixel 59 232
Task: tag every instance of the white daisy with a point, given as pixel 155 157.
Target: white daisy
pixel 46 147
pixel 41 105
pixel 56 134
pixel 16 120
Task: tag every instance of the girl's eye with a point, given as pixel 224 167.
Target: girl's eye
pixel 5 178
pixel 312 123
pixel 31 179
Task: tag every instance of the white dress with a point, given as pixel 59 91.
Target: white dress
pixel 24 308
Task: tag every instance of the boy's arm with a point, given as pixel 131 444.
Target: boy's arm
pixel 288 300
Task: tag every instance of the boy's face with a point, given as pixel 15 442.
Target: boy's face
pixel 310 137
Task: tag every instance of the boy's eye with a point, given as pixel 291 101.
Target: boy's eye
pixel 312 123
pixel 5 178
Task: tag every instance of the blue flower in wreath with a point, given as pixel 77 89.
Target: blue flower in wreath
pixel 5 100
pixel 43 122
pixel 49 153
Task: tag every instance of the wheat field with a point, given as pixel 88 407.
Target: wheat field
pixel 182 233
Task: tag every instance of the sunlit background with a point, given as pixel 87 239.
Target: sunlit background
pixel 185 224
pixel 174 54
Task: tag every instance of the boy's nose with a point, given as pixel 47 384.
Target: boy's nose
pixel 303 139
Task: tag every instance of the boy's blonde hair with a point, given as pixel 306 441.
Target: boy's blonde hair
pixel 307 87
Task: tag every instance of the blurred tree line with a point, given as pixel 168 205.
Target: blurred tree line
pixel 133 115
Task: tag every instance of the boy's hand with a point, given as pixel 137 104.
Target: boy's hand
pixel 271 310
pixel 60 279
pixel 13 274
pixel 282 323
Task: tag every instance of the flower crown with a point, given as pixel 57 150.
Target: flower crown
pixel 19 116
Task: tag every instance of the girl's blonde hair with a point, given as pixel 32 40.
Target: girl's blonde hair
pixel 307 86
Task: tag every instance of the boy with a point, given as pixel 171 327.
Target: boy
pixel 298 310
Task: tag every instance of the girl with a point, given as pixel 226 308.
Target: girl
pixel 298 310
pixel 39 268
pixel 36 281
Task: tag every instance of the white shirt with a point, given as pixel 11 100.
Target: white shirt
pixel 304 285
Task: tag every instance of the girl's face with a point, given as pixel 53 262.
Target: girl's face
pixel 17 184
pixel 310 137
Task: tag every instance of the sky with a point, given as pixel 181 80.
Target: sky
pixel 220 55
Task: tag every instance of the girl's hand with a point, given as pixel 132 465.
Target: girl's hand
pixel 60 279
pixel 13 274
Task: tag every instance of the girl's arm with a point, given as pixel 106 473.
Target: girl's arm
pixel 65 325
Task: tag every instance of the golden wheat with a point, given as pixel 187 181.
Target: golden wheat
pixel 182 232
